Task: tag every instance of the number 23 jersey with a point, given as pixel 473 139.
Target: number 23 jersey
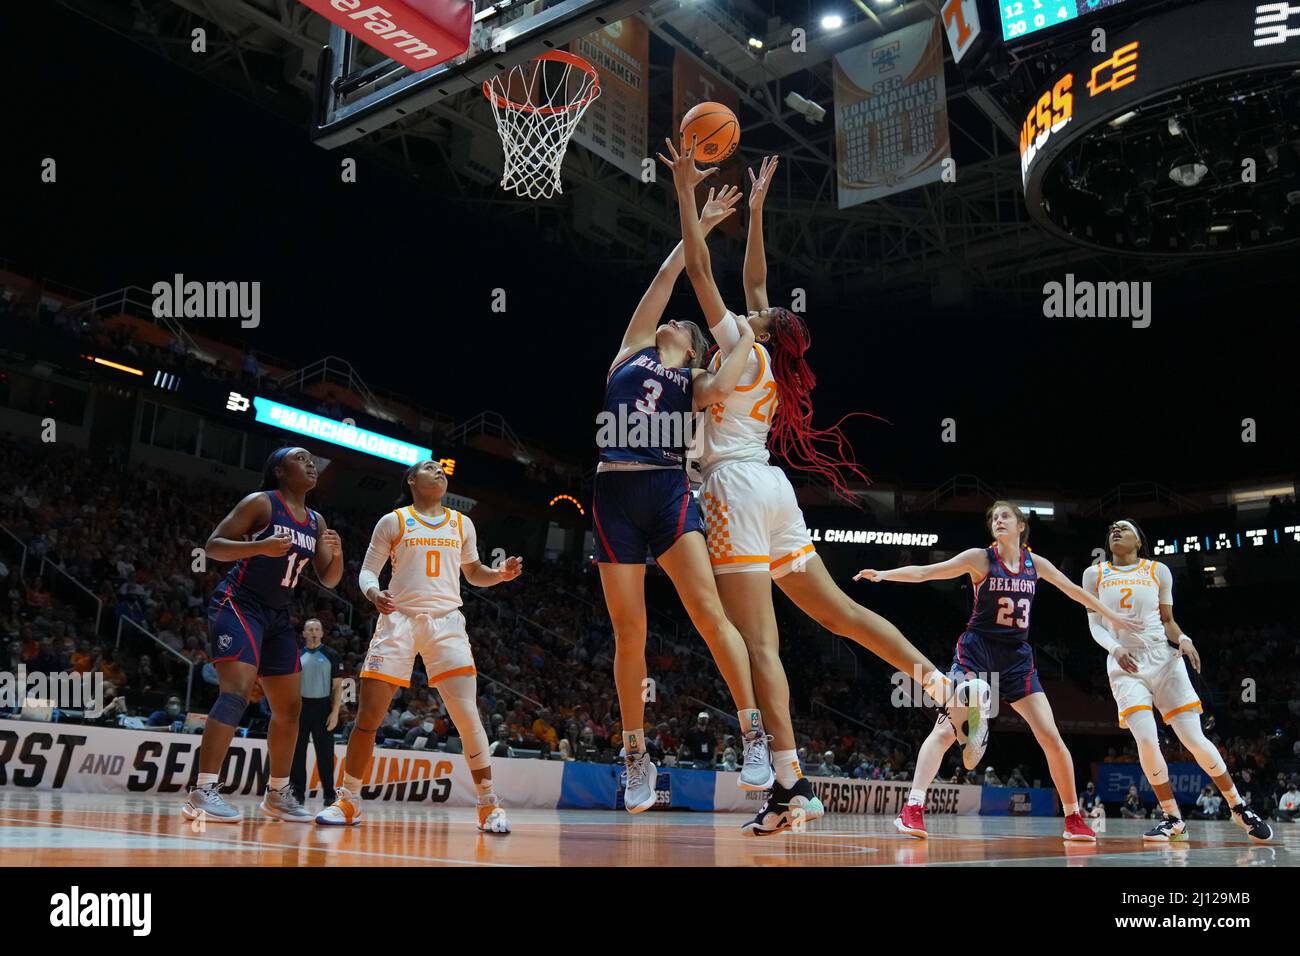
pixel 1004 599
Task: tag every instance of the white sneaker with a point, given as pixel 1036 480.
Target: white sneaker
pixel 207 803
pixel 756 771
pixel 968 709
pixel 345 811
pixel 283 805
pixel 639 789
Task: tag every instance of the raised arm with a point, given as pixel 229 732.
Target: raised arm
pixel 1049 572
pixel 713 387
pixel 755 271
pixel 641 328
pixel 972 561
pixel 686 176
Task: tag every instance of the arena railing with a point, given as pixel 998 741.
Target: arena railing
pixel 22 550
pixel 99 604
pixel 189 680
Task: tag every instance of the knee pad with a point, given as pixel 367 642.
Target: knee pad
pixel 228 709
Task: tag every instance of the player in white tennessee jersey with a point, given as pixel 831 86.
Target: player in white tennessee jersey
pixel 1146 669
pixel 755 531
pixel 430 546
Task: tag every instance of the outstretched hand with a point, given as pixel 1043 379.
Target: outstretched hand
pixel 758 184
pixel 685 173
pixel 719 207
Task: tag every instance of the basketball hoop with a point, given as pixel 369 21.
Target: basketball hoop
pixel 537 106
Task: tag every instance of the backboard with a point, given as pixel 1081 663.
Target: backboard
pixel 358 90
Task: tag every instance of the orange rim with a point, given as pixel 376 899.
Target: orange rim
pixel 557 56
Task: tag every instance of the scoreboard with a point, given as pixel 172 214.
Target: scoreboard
pixel 1023 17
pixel 1225 540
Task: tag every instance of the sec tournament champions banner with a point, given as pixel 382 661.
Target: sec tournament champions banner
pixel 615 125
pixel 842 795
pixel 73 758
pixel 891 114
pixel 692 85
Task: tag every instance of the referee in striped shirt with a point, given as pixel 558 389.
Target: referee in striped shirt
pixel 322 693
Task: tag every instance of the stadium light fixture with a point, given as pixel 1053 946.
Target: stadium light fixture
pixel 832 21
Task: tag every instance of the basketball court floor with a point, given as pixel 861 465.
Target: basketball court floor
pixel 81 830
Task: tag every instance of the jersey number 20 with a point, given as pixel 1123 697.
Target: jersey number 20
pixel 1007 607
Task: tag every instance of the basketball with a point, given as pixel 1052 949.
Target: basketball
pixel 717 129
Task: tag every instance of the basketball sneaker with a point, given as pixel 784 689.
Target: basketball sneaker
pixel 1169 830
pixel 912 821
pixel 1076 829
pixel 1252 823
pixel 756 771
pixel 208 803
pixel 785 809
pixel 283 805
pixel 968 709
pixel 639 783
pixel 345 811
pixel 492 817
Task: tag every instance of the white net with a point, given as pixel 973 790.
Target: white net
pixel 537 106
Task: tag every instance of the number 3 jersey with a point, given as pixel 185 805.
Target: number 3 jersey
pixel 427 554
pixel 270 581
pixel 648 414
pixel 1004 599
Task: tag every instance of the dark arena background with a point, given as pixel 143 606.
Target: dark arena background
pixel 1048 246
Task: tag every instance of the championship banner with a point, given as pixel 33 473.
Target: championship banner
pixel 616 123
pixel 1114 779
pixel 891 114
pixel 75 758
pixel 692 85
pixel 842 795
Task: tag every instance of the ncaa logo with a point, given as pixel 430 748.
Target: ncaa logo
pixel 224 642
pixel 373 662
pixel 410 522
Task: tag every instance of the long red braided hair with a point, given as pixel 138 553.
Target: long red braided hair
pixel 825 452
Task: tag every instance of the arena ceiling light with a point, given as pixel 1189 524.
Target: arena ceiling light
pixel 1141 148
pixel 832 21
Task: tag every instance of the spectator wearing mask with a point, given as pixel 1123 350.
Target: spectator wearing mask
pixel 1133 808
pixel 1092 808
pixel 501 746
pixel 170 713
pixel 828 767
pixel 417 721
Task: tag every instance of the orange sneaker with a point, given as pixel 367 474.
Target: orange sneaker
pixel 345 811
pixel 1076 829
pixel 492 818
pixel 912 821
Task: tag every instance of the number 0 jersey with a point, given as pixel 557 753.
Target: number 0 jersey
pixel 736 428
pixel 1004 599
pixel 427 554
pixel 270 581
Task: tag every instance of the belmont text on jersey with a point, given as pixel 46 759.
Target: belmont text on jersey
pixel 1004 598
pixel 267 580
pixel 649 412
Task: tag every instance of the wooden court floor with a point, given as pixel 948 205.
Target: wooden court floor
pixel 81 830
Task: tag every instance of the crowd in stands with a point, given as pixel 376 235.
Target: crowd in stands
pixel 543 643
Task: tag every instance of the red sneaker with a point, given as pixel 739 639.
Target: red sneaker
pixel 1076 829
pixel 912 821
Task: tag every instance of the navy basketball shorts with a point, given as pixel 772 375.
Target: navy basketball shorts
pixel 1008 666
pixel 635 512
pixel 242 629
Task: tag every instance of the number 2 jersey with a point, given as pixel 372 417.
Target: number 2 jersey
pixel 736 428
pixel 1004 599
pixel 270 581
pixel 427 554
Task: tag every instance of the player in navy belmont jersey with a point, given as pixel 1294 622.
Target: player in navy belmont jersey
pixel 642 504
pixel 995 645
pixel 271 536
